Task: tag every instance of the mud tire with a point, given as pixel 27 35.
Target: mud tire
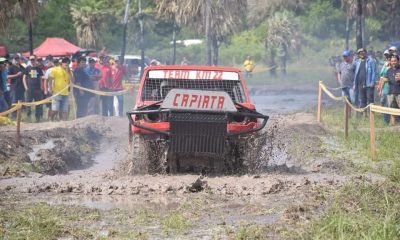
pixel 148 156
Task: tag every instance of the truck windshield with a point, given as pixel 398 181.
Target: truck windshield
pixel 157 89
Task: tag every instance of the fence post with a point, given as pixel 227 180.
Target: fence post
pixel 372 133
pixel 19 110
pixel 346 119
pixel 319 102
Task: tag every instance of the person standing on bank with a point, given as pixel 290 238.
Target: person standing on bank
pixel 60 78
pixel 33 83
pixel 393 78
pixel 248 66
pixel 364 79
pixel 15 75
pixel 82 79
pixel 345 75
pixel 105 85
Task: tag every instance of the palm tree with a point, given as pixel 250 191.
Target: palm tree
pixel 87 16
pixel 281 33
pixel 261 10
pixel 28 9
pixel 213 18
pixel 358 9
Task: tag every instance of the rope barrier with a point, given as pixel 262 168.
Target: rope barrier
pixel 48 100
pixel 342 98
pixel 102 93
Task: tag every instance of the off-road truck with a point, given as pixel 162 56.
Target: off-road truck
pixel 192 118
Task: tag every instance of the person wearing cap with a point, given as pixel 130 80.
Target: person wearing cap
pixel 345 74
pixel 60 78
pixel 105 85
pixel 392 49
pixel 392 76
pixel 15 75
pixel 364 78
pixel 3 103
pixel 82 79
pixel 383 86
pixel 94 75
pixel 118 71
pixel 33 84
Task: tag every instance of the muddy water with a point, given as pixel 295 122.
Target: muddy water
pixel 36 148
pixel 284 103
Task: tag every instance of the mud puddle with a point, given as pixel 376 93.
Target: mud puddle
pixel 45 146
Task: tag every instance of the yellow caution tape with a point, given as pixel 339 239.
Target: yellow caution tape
pixel 46 100
pixel 11 110
pixel 386 110
pixel 102 93
pixel 356 108
pixel 323 87
pixel 372 107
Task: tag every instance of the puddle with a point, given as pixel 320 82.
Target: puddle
pixel 36 148
pixel 284 103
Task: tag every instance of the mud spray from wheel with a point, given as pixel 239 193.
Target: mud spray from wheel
pixel 245 155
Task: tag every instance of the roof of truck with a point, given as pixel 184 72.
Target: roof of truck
pixel 193 67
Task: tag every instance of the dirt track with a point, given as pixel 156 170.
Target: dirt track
pixel 295 184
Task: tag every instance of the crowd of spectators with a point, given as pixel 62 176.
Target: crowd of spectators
pixel 33 79
pixel 365 77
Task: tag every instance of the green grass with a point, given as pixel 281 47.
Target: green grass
pixel 175 223
pixel 43 221
pixel 359 134
pixel 361 211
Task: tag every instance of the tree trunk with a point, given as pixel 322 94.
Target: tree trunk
pixel 216 50
pixel 30 38
pixel 207 33
pixel 123 47
pixel 174 43
pixel 359 40
pixel 347 31
pixel 141 39
pixel 363 41
pixel 272 63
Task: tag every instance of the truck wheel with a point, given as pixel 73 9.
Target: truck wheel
pixel 138 155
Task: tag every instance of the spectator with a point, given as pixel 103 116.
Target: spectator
pixel 33 84
pixel 345 74
pixel 82 79
pixel 103 52
pixel 248 66
pixel 154 62
pixel 105 85
pixel 364 79
pixel 5 82
pixel 51 63
pixel 383 86
pixel 60 78
pixel 392 76
pixel 15 75
pixel 94 75
pixel 3 102
pixel 185 61
pixel 118 72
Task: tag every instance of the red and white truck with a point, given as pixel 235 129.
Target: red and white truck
pixel 191 118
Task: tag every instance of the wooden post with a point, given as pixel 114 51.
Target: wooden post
pixel 346 120
pixel 372 134
pixel 319 102
pixel 19 110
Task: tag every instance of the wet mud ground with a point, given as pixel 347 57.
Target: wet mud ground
pixel 82 164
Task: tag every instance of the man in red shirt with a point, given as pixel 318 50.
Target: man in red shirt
pixel 118 72
pixel 105 85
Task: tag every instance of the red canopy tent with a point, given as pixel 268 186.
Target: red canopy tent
pixel 56 47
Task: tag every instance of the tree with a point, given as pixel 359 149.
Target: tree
pixel 87 16
pixel 281 31
pixel 213 18
pixel 27 9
